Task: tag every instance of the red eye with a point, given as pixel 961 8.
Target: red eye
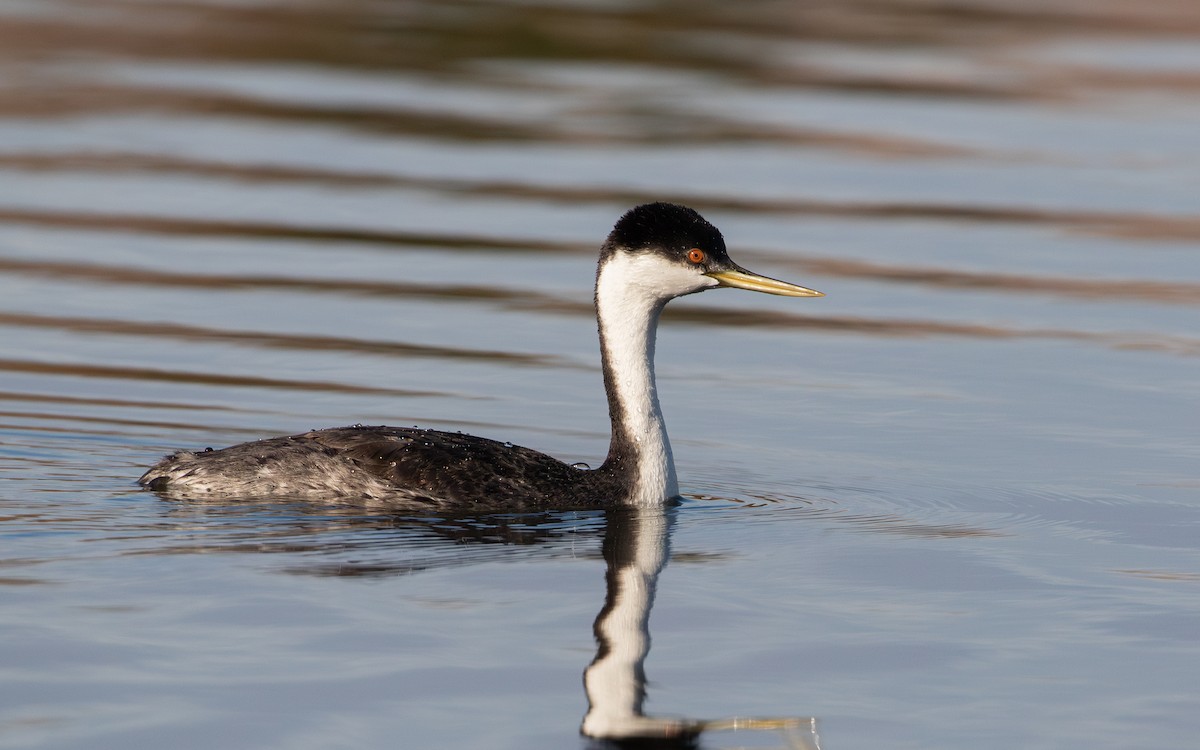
pixel 696 255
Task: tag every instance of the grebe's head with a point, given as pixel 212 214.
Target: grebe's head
pixel 665 251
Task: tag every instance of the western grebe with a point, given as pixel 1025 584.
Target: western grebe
pixel 655 253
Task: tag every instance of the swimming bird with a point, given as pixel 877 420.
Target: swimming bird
pixel 655 253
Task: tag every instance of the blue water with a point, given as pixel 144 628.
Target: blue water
pixel 955 503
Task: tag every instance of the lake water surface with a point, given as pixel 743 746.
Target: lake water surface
pixel 953 504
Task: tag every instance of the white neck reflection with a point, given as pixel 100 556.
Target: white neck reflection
pixel 636 549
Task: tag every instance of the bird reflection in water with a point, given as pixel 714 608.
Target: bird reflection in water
pixel 636 548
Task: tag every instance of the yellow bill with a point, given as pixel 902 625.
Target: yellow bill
pixel 742 279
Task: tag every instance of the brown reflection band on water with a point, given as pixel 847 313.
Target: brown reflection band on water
pixel 75 418
pixel 82 370
pixel 307 342
pixel 666 127
pixel 1161 575
pixel 24 581
pixel 264 230
pixel 530 300
pixel 1113 290
pixel 328 31
pixel 901 327
pixel 1145 226
pixel 1120 224
pixel 75 100
pixel 712 37
pixel 108 162
pixel 121 403
pixel 106 274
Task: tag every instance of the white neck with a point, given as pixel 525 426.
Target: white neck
pixel 631 290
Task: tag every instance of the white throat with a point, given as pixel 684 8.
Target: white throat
pixel 631 290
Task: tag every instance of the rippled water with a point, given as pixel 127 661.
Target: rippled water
pixel 955 503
